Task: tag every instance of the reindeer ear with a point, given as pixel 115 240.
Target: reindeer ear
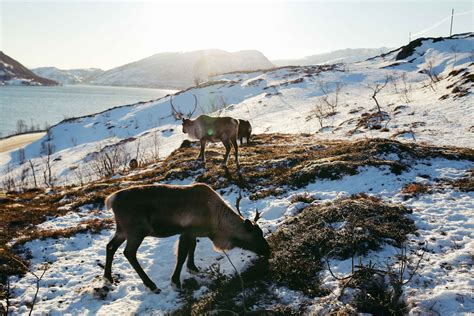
pixel 248 224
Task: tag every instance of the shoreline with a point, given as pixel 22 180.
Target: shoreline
pixel 13 142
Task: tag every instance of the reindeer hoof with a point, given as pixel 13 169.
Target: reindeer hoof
pixel 155 290
pixel 108 280
pixel 176 284
pixel 193 270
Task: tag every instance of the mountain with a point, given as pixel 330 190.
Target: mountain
pixel 181 70
pixel 348 55
pixel 69 76
pixel 14 73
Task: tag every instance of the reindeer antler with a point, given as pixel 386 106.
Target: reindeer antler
pixel 195 106
pixel 177 114
pixel 257 216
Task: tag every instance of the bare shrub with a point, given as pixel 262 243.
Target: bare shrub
pixel 331 100
pixel 109 160
pixel 47 150
pixel 320 113
pixel 406 89
pixel 376 88
pixel 8 181
pixel 21 127
pixel 432 75
pixel 21 155
pixel 216 106
pixel 33 173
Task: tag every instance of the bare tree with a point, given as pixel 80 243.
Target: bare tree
pixel 406 88
pixel 21 126
pixel 8 181
pixel 455 50
pixel 376 88
pixel 33 173
pixel 319 113
pixel 38 280
pixel 156 146
pixel 331 100
pixel 47 150
pixel 21 155
pixel 432 75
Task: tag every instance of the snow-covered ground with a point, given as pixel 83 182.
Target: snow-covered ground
pixel 282 100
pixel 443 282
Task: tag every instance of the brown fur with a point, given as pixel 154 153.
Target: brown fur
pixel 245 131
pixel 214 129
pixel 166 210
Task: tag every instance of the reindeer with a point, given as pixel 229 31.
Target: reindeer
pixel 245 130
pixel 166 210
pixel 210 129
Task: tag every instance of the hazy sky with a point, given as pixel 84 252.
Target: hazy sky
pixel 106 34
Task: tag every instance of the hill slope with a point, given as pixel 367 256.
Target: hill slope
pixel 14 73
pixel 348 55
pixel 181 70
pixel 69 76
pixel 335 178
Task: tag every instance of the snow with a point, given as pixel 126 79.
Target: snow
pixel 444 218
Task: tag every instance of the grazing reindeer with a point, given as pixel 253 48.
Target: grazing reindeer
pixel 210 129
pixel 166 210
pixel 245 130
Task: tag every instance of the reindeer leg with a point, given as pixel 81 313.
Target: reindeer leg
pixel 190 264
pixel 183 247
pixel 131 254
pixel 201 153
pixel 112 247
pixel 236 152
pixel 227 146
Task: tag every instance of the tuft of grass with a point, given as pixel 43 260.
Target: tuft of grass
pixel 415 189
pixel 343 228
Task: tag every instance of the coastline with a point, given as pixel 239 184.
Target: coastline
pixel 18 141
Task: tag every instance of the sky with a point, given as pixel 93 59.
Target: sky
pixel 106 34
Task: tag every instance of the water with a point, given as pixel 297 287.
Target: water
pixel 42 106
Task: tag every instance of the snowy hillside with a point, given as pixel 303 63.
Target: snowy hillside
pixel 348 55
pixel 14 73
pixel 181 70
pixel 68 76
pixel 333 145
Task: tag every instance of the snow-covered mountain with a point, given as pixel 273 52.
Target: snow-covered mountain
pixel 14 73
pixel 348 55
pixel 181 70
pixel 407 106
pixel 68 76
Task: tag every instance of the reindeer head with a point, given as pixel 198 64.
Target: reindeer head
pixel 253 239
pixel 178 115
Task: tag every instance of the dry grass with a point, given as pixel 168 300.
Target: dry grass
pixel 272 165
pixel 298 249
pixel 415 189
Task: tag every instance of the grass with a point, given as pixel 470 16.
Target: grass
pixel 299 248
pixel 273 164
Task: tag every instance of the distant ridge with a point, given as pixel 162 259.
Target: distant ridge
pixel 68 76
pixel 348 55
pixel 181 70
pixel 14 73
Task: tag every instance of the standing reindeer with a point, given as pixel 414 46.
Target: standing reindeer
pixel 245 130
pixel 210 129
pixel 166 210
